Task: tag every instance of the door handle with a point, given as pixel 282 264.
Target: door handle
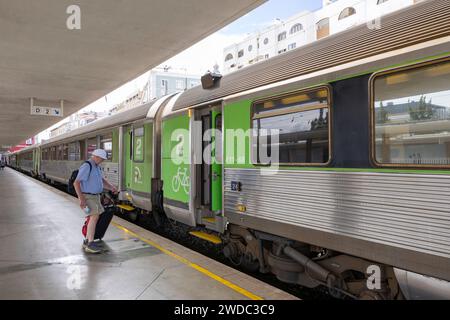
pixel 215 175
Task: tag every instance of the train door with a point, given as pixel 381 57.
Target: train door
pixel 138 147
pixel 216 165
pixel 211 167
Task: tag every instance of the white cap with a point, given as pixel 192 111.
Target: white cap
pixel 100 153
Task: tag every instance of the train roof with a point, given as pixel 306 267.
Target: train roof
pixel 119 118
pixel 419 23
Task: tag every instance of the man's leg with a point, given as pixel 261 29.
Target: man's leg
pixel 91 227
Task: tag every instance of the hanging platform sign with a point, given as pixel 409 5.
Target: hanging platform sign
pixel 53 111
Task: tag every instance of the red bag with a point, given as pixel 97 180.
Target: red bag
pixel 85 226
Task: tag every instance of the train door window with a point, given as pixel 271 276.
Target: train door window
pixel 74 151
pixel 138 144
pixel 206 164
pixel 411 116
pixel 91 146
pixel 218 140
pixel 292 130
pixel 106 144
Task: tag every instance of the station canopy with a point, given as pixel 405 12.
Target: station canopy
pixel 44 56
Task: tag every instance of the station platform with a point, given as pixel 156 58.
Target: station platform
pixel 41 256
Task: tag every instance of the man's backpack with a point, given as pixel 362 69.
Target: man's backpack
pixel 73 177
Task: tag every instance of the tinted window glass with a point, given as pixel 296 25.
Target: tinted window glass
pixel 302 123
pixel 412 116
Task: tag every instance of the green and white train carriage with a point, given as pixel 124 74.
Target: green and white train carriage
pixel 364 150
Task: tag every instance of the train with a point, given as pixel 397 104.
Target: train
pixel 327 166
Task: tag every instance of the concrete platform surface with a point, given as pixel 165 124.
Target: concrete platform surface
pixel 41 256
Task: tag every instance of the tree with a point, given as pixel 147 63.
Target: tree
pixel 382 115
pixel 424 110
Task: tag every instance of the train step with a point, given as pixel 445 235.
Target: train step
pixel 125 207
pixel 209 220
pixel 206 236
pixel 213 223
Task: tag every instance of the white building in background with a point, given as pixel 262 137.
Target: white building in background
pixel 306 27
pixel 163 82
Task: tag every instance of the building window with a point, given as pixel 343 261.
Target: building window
pixel 266 41
pixel 347 12
pixel 296 28
pixel 266 56
pixel 323 28
pixel 296 125
pixel 282 36
pixel 250 48
pixel 382 1
pixel 228 57
pixel 281 51
pixel 180 84
pixel 240 53
pixel 292 46
pixel 411 116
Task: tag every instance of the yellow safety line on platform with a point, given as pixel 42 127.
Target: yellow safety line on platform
pixel 192 265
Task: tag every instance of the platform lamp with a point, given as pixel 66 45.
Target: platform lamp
pixel 211 79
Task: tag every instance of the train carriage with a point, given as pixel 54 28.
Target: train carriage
pixel 362 174
pixel 127 138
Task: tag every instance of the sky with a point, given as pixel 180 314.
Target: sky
pixel 201 57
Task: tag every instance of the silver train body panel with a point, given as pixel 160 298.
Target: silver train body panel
pixel 398 219
pixel 26 165
pixel 60 171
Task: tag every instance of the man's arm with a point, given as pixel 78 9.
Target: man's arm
pixel 109 186
pixel 77 186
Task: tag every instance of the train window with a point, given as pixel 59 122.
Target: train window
pixel 106 144
pixel 138 144
pixel 59 152
pixel 53 153
pixel 82 149
pixel 74 151
pixel 65 152
pixel 27 156
pixel 411 116
pixel 91 146
pixel 295 129
pixel 44 154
